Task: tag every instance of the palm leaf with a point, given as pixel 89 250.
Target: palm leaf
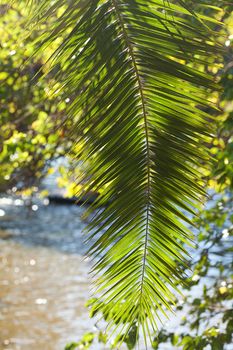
pixel 138 102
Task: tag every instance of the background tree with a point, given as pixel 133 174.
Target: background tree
pixel 30 114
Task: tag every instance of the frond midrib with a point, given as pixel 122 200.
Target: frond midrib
pixel 144 112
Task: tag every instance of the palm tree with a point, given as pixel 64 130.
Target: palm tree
pixel 138 101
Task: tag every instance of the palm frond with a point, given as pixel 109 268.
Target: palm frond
pixel 138 97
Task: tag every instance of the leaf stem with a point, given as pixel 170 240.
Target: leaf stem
pixel 143 101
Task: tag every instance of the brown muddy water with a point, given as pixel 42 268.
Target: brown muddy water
pixel 44 277
pixel 44 281
pixel 42 297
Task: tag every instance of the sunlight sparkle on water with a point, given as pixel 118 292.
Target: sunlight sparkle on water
pixel 41 301
pixel 18 202
pixel 35 207
pixel 2 212
pixel 6 201
pixel 32 262
pixel 46 201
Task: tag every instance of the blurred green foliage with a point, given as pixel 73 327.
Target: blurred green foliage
pixel 31 110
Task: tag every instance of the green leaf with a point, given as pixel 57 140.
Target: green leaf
pixel 139 101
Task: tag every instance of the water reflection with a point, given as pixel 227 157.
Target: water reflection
pixel 58 227
pixel 43 277
pixel 42 297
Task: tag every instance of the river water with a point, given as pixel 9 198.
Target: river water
pixel 44 276
pixel 44 281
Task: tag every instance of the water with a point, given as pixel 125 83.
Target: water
pixel 44 276
pixel 57 227
pixel 44 281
